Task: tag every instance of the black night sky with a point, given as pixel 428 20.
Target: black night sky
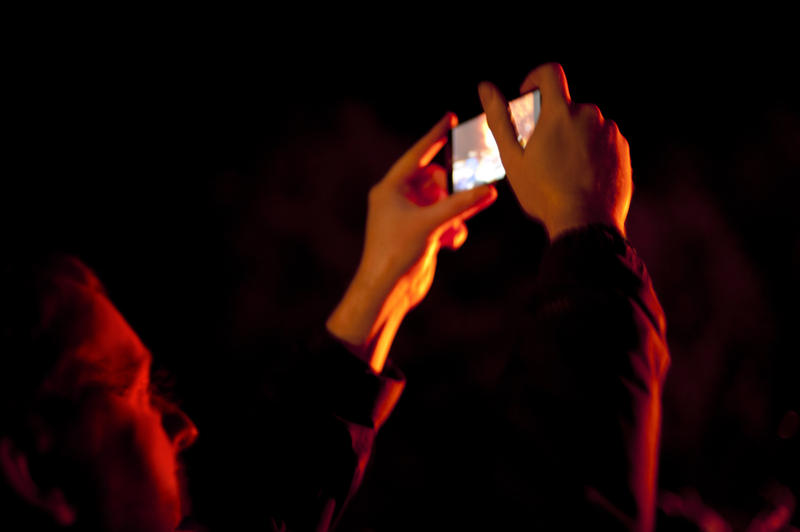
pixel 218 187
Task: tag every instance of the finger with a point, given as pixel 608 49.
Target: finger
pixel 620 140
pixel 423 152
pixel 454 236
pixel 433 174
pixel 551 80
pixel 462 205
pixel 427 185
pixel 499 119
pixel 614 127
pixel 589 113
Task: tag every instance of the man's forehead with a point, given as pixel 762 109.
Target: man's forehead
pixel 109 351
pixel 108 329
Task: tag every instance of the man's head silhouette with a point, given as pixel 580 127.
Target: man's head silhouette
pixel 85 441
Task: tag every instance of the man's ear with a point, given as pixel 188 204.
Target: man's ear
pixel 14 468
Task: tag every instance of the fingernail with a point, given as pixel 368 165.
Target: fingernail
pixel 485 91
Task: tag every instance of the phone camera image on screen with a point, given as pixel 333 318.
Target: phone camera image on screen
pixel 474 155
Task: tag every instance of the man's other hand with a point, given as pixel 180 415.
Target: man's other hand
pixel 575 169
pixel 410 216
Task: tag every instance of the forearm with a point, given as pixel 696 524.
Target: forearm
pixel 368 316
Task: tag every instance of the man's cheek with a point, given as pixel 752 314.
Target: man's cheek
pixel 160 465
pixel 103 424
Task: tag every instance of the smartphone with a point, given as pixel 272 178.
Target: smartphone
pixel 472 156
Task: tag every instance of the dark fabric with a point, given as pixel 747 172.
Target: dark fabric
pixel 582 393
pixel 576 422
pixel 350 403
pixel 302 430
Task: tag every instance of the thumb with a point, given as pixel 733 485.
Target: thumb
pixel 461 204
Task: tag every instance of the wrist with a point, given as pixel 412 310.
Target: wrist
pixel 360 313
pixel 558 226
pixel 353 319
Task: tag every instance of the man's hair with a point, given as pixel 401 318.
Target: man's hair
pixel 41 317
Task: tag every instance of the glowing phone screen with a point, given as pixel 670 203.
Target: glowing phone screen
pixel 475 157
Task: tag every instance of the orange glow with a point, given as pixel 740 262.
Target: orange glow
pixel 652 424
pixel 454 235
pixel 431 152
pixel 408 292
pixel 651 431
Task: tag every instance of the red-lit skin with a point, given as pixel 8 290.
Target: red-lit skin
pixel 410 217
pixel 127 437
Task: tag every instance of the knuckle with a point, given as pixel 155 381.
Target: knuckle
pixel 547 70
pixel 555 69
pixel 587 113
pixel 590 111
pixel 374 193
pixel 614 131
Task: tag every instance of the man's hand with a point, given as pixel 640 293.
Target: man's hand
pixel 576 169
pixel 410 216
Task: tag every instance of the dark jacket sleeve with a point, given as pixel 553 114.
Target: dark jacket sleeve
pixel 329 417
pixel 584 389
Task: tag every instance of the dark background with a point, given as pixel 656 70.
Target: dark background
pixel 218 187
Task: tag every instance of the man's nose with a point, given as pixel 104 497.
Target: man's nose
pixel 180 428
